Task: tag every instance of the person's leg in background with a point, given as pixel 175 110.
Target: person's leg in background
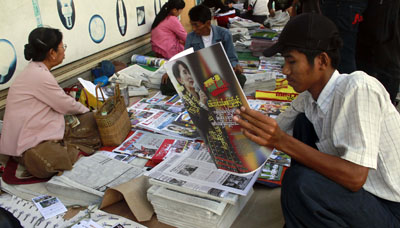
pixel 381 62
pixel 346 14
pixel 309 199
pixel 378 44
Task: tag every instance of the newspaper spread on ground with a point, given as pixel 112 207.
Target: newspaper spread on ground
pixel 29 216
pixel 270 108
pixel 137 115
pixel 169 123
pixel 195 169
pixel 96 173
pixel 142 144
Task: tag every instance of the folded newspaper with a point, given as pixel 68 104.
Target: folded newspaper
pixel 208 85
pixel 195 171
pixel 93 175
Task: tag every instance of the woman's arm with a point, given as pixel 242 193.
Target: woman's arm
pixel 48 91
pixel 178 29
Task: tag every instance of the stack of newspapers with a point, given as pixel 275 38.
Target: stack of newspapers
pixel 182 209
pixel 187 190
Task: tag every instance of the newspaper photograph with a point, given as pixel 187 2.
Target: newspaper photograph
pixel 166 123
pixel 170 146
pixel 142 144
pixel 160 102
pixel 137 116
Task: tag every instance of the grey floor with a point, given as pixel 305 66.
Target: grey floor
pixel 262 210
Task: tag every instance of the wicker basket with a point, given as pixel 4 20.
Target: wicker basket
pixel 115 125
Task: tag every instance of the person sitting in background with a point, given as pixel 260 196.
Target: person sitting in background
pixel 167 33
pixel 257 10
pixel 291 6
pixel 168 37
pixel 204 35
pixel 342 133
pixel 36 132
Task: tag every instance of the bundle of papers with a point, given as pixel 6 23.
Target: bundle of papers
pixel 257 45
pixel 239 34
pixel 92 175
pixel 279 20
pixel 137 76
pixel 259 81
pixel 189 191
pixel 238 22
pixel 243 45
pixel 180 209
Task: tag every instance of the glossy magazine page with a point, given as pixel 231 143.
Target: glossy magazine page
pixel 211 92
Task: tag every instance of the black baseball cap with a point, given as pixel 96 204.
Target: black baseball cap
pixel 309 31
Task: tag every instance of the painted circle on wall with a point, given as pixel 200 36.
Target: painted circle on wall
pixel 66 12
pixel 8 60
pixel 97 28
pixel 121 17
pixel 141 18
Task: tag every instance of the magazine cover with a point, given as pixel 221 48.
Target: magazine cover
pixel 211 92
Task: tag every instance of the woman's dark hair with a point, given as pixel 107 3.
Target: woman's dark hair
pixel 165 9
pixel 200 13
pixel 40 41
pixel 336 44
pixel 175 68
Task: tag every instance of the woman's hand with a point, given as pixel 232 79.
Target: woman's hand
pixel 259 128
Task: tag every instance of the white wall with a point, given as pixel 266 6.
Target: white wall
pixel 19 17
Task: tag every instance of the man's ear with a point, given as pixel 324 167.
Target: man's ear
pixel 208 23
pixel 323 61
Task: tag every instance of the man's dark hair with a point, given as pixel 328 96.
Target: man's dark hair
pixel 333 53
pixel 200 13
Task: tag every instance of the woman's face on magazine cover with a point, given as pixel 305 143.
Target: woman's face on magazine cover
pixel 186 78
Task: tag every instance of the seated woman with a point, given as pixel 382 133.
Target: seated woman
pixel 168 37
pixel 167 33
pixel 257 10
pixel 35 132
